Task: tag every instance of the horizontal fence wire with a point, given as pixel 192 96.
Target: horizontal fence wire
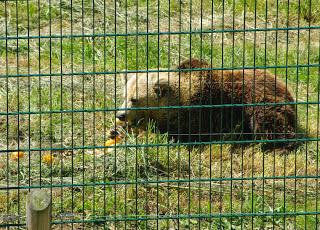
pixel 171 144
pixel 101 219
pixel 157 108
pixel 192 32
pixel 147 182
pixel 155 71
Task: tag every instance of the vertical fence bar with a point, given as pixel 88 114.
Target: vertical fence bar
pixel 296 100
pixel 307 114
pixel 83 93
pixel 72 108
pixel 18 105
pixel 318 129
pixel 7 109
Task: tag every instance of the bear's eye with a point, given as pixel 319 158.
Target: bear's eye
pixel 133 100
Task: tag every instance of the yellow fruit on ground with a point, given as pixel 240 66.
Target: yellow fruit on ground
pixel 111 142
pixel 48 158
pixel 16 155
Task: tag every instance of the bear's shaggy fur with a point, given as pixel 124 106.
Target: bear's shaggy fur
pixel 224 104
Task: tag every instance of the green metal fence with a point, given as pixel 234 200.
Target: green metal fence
pixel 62 63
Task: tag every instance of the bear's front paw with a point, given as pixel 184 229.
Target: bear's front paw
pixel 113 133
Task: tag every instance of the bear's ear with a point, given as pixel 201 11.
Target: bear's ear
pixel 126 76
pixel 193 64
pixel 162 88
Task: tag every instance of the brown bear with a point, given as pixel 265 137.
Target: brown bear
pixel 199 104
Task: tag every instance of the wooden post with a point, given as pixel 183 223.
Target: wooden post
pixel 38 210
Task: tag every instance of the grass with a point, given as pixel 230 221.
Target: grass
pixel 144 182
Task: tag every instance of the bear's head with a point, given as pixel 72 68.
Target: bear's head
pixel 142 91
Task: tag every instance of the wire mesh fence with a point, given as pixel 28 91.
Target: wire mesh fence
pixel 207 96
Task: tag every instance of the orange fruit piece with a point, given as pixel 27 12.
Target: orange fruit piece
pixel 111 142
pixel 48 158
pixel 16 155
